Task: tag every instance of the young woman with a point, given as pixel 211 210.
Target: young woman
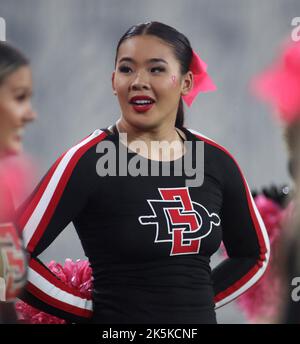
pixel 15 113
pixel 148 234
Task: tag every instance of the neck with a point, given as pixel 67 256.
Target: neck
pixel 163 133
pixel 167 133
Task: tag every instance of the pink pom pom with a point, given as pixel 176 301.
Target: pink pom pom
pixel 31 315
pixel 272 215
pixel 77 275
pixel 259 303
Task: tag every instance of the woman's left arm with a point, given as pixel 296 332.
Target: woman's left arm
pixel 244 236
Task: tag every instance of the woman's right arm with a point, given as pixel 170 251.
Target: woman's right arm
pixel 60 196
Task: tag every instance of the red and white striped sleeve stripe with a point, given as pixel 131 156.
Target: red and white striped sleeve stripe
pixel 256 272
pixel 34 220
pixel 52 291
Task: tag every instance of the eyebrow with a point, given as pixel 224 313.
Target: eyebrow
pixel 129 59
pixel 21 88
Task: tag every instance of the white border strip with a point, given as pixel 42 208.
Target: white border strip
pixel 50 289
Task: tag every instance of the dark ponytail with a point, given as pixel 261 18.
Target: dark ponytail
pixel 180 115
pixel 291 136
pixel 179 42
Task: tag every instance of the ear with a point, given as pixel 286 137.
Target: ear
pixel 113 82
pixel 187 83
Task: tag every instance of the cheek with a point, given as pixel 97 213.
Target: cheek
pixel 121 82
pixel 10 116
pixel 6 129
pixel 173 83
pixel 167 84
pixel 173 80
pixel 5 116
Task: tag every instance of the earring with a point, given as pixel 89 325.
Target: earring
pixel 115 93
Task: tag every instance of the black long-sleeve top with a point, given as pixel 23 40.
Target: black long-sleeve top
pixel 148 238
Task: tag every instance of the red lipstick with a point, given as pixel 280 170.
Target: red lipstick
pixel 142 103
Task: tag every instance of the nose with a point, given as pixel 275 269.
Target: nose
pixel 140 82
pixel 29 115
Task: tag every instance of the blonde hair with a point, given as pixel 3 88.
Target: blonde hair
pixel 292 139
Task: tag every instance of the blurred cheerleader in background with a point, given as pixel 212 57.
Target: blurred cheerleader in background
pixel 271 301
pixel 15 113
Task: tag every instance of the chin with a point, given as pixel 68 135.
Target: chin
pixel 143 122
pixel 14 149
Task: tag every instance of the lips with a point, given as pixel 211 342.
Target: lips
pixel 141 103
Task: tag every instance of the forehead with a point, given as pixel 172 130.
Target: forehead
pixel 141 48
pixel 19 78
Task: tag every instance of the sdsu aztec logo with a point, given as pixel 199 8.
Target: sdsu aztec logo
pixel 12 257
pixel 179 220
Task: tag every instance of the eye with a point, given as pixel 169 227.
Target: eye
pixel 124 69
pixel 21 97
pixel 159 69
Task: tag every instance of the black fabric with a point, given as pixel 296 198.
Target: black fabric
pixel 128 234
pixel 7 313
pixel 291 311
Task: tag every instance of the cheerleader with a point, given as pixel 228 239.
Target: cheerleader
pixel 148 236
pixel 15 113
pixel 279 85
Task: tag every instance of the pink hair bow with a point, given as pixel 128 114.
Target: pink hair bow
pixel 279 85
pixel 202 81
